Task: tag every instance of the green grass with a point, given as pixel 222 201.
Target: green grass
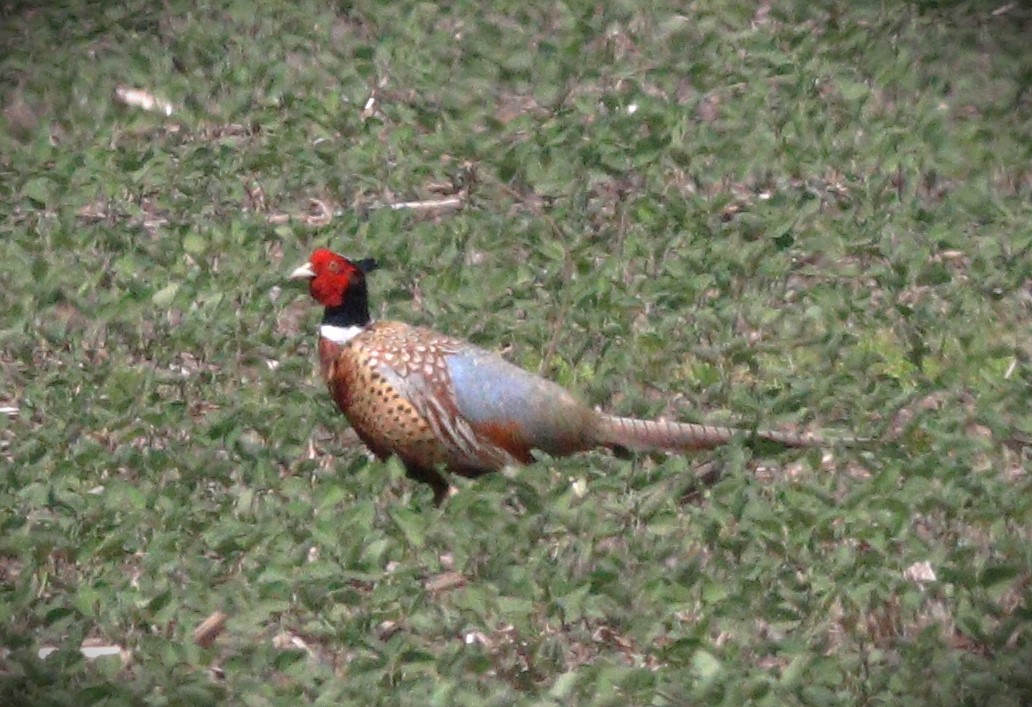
pixel 813 217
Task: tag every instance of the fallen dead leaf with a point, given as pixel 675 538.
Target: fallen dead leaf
pixel 444 582
pixel 209 629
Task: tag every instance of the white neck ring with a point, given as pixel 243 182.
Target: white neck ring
pixel 339 334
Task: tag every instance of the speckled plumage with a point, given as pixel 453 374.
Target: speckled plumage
pixel 439 403
pixel 395 384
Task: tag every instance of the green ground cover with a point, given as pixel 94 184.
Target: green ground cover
pixel 796 215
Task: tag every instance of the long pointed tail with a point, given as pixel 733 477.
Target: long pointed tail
pixel 633 433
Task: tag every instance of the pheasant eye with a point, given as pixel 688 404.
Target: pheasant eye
pixel 334 266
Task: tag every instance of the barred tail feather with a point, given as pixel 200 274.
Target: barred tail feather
pixel 632 433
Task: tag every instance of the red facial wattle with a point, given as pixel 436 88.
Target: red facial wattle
pixel 333 276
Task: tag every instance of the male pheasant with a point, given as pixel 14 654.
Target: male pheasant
pixel 441 403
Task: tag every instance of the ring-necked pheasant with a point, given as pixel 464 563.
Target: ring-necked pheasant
pixel 441 403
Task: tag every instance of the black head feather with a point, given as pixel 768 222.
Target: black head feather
pixel 367 265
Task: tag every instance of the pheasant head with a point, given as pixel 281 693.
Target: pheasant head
pixel 332 277
pixel 339 285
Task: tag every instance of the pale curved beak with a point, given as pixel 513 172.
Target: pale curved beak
pixel 303 272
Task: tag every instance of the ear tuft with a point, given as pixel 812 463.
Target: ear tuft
pixel 367 265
